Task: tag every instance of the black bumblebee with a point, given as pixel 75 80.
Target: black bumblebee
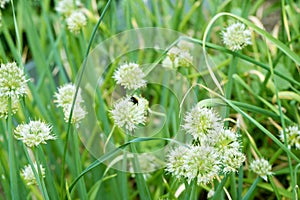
pixel 134 100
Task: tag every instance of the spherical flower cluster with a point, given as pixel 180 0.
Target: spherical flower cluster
pixel 76 21
pixel 236 36
pixel 75 18
pixel 194 162
pixel 201 121
pixel 28 175
pixel 231 160
pixel 3 2
pixel 12 81
pixel 227 139
pixel 34 133
pixel 178 56
pixel 130 76
pixel 4 107
pixel 129 114
pixel 66 7
pixel 64 99
pixel 202 163
pixel 228 147
pixel 213 151
pixel 176 161
pixel 292 136
pixel 261 167
pixel 184 59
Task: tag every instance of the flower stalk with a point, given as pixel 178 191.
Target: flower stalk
pixel 11 154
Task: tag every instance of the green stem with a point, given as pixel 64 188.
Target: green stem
pixel 220 188
pixel 40 176
pixel 78 168
pixel 194 190
pixel 228 92
pixel 123 173
pixel 240 183
pixel 251 189
pixel 33 169
pixel 233 186
pixel 108 138
pixel 141 183
pixel 13 171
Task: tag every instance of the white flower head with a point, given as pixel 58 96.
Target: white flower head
pixel 128 113
pixel 292 136
pixel 28 175
pixel 3 2
pixel 232 159
pixel 76 21
pixel 236 36
pixel 130 76
pixel 78 113
pixel 261 167
pixel 12 81
pixel 175 161
pixel 66 7
pixel 201 163
pixel 64 98
pixel 65 95
pixel 178 56
pixel 201 121
pixel 173 53
pixel 227 139
pixel 34 133
pixel 184 59
pixel 4 106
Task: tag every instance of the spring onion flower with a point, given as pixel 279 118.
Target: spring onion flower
pixel 4 107
pixel 231 160
pixel 261 167
pixel 34 133
pixel 236 36
pixel 64 99
pixel 128 114
pixel 201 163
pixel 184 59
pixel 65 95
pixel 130 76
pixel 66 7
pixel 3 2
pixel 201 121
pixel 28 175
pixel 292 136
pixel 175 161
pixel 228 146
pixel 227 139
pixel 178 57
pixel 76 21
pixel 213 151
pixel 12 81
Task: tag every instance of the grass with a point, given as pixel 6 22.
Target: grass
pixel 257 89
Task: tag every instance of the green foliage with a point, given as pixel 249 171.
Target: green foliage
pixel 257 89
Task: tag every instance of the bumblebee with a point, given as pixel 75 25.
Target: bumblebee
pixel 134 100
